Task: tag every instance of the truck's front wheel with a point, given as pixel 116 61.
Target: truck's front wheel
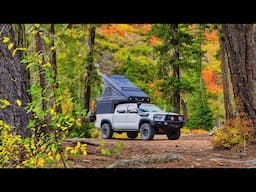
pixel 174 134
pixel 106 131
pixel 146 131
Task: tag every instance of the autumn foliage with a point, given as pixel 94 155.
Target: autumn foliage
pixel 211 80
pixel 154 40
pixel 212 36
pixel 112 29
pixel 237 132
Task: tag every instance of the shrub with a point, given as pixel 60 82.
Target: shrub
pixel 236 132
pixel 94 133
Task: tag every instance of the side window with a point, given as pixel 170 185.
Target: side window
pixel 121 109
pixel 132 109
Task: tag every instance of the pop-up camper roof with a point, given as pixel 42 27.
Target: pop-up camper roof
pixel 118 87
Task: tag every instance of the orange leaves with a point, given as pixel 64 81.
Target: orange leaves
pixel 211 80
pixel 123 29
pixel 145 28
pixel 113 29
pixel 150 84
pixel 154 40
pixel 199 131
pixel 212 36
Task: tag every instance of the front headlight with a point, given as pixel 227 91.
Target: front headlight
pixel 159 117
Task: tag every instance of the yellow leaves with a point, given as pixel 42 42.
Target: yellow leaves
pixel 185 130
pixel 43 147
pixel 78 122
pixel 78 145
pixel 67 103
pixel 18 102
pixel 94 133
pixel 47 65
pixel 37 25
pixel 57 157
pixel 212 63
pixel 58 125
pixel 4 103
pixel 78 149
pixel 10 46
pixel 4 125
pixel 40 162
pixel 68 148
pixel 120 136
pixel 236 132
pixel 6 39
pixel 52 112
pixel 50 156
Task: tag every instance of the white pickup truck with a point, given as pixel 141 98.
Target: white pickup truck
pixel 133 118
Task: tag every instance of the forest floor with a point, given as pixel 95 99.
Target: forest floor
pixel 190 151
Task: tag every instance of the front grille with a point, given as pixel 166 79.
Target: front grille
pixel 172 117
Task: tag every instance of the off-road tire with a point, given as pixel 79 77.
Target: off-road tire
pixel 106 131
pixel 174 134
pixel 147 132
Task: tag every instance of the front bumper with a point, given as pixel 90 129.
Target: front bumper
pixel 166 126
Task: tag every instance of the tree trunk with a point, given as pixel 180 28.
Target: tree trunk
pixel 40 48
pixel 176 70
pixel 185 110
pixel 53 61
pixel 89 68
pixel 241 54
pixel 225 80
pixel 14 79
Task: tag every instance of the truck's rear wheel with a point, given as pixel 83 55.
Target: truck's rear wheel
pixel 106 131
pixel 174 134
pixel 146 131
pixel 132 135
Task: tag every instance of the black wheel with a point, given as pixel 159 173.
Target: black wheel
pixel 106 131
pixel 132 135
pixel 146 131
pixel 174 134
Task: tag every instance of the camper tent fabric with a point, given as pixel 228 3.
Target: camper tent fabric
pixel 118 89
pixel 118 85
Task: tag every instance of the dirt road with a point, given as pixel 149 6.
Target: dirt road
pixel 190 151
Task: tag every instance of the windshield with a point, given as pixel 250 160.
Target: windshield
pixel 149 108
